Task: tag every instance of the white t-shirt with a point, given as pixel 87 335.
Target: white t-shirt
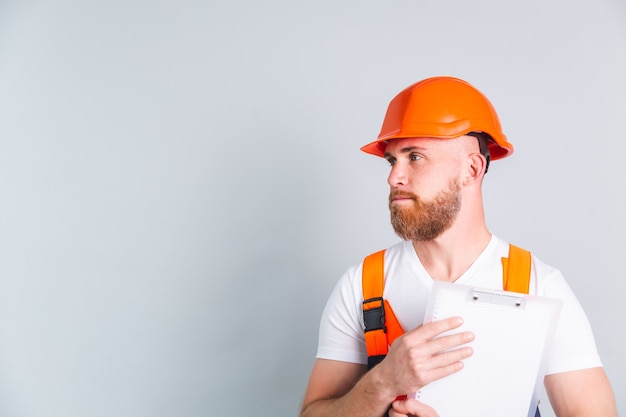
pixel 408 285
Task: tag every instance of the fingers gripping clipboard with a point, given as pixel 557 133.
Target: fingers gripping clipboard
pixel 513 332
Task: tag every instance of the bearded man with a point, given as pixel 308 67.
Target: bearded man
pixel 439 136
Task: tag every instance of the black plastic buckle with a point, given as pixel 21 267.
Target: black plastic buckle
pixel 374 318
pixel 372 361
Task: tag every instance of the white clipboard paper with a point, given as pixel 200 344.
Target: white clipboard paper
pixel 513 332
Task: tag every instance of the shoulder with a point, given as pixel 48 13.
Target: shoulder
pixel 503 248
pixel 546 280
pixel 392 255
pixel 351 280
pixel 394 250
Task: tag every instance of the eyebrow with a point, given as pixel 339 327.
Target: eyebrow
pixel 405 150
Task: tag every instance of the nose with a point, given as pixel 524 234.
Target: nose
pixel 397 176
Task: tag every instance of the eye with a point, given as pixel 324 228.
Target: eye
pixel 415 157
pixel 392 161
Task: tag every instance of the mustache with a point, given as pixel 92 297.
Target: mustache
pixel 401 194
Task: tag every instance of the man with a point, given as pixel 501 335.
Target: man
pixel 439 136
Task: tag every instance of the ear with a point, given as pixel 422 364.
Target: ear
pixel 476 165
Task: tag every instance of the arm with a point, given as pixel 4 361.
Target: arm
pixel 336 389
pixel 583 393
pixel 415 359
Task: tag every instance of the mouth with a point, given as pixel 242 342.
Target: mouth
pixel 400 197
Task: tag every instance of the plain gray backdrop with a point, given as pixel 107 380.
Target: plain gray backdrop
pixel 181 184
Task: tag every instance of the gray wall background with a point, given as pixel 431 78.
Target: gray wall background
pixel 181 185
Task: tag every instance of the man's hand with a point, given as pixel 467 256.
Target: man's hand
pixel 416 358
pixel 423 355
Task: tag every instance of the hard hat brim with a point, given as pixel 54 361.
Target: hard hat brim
pixel 498 148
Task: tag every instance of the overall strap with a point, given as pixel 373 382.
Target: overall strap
pixel 516 270
pixel 381 324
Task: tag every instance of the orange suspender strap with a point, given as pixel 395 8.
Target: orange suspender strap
pixel 373 308
pixel 516 270
pixel 381 324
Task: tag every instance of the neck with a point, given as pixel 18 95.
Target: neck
pixel 448 256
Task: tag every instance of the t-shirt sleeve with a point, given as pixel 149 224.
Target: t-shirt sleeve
pixel 341 328
pixel 574 345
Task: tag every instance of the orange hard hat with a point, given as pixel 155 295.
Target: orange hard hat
pixel 441 107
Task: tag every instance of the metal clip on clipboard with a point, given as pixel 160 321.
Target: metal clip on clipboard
pixel 514 301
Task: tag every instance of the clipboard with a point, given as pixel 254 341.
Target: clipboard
pixel 513 332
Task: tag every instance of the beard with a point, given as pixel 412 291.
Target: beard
pixel 425 220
